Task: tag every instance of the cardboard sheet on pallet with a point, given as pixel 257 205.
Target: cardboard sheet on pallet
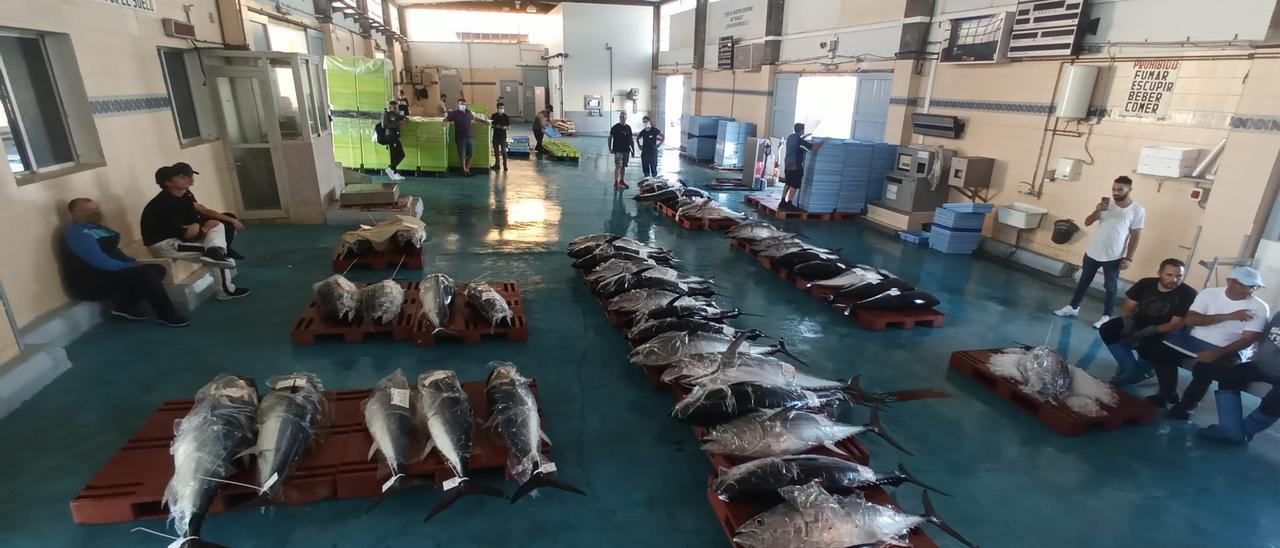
pixel 466 324
pixel 312 325
pixel 1130 410
pixel 130 486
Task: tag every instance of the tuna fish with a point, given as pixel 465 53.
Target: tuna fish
pixel 894 299
pixel 810 517
pixel 382 301
pixel 389 419
pixel 513 413
pixel 793 258
pixel 615 267
pixel 587 247
pixel 436 293
pixel 287 421
pixel 709 405
pixel 221 424
pixel 635 301
pixel 485 299
pixel 670 347
pixel 819 270
pixel 444 412
pixel 644 279
pixel 858 275
pixel 770 433
pixel 759 480
pixel 645 332
pixel 755 231
pixel 337 298
pixel 1045 375
pixel 606 252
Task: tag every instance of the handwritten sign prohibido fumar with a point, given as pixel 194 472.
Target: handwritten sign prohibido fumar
pixel 1152 88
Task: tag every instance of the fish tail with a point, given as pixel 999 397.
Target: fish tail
pixel 782 349
pixel 467 488
pixel 903 475
pixel 857 396
pixel 540 480
pixel 875 426
pixel 932 516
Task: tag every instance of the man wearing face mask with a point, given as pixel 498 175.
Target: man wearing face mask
pixel 95 269
pixel 1120 222
pixel 650 139
pixel 461 119
pixel 500 122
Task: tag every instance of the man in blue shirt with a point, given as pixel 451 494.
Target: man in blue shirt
pixel 95 269
pixel 793 168
pixel 1233 426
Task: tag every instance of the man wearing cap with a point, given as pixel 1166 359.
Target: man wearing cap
pixel 175 225
pixel 1225 323
pixel 1233 426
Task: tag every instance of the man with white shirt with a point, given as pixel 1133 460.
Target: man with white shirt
pixel 1120 222
pixel 1225 323
pixel 1264 367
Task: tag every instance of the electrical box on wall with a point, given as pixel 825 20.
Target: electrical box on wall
pixel 174 28
pixel 1068 169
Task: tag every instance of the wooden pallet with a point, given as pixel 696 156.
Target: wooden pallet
pixel 879 320
pixel 381 260
pixel 694 224
pixel 1130 410
pixel 771 206
pixel 467 325
pixel 686 156
pixel 311 325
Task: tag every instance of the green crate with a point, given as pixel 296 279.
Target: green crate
pixel 347 134
pixel 374 155
pixel 428 138
pixel 340 75
pixel 373 85
pixel 481 138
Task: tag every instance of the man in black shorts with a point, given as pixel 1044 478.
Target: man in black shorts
pixel 793 168
pixel 176 226
pixel 1153 308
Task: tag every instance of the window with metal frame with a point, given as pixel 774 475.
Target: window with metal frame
pixel 177 81
pixel 34 130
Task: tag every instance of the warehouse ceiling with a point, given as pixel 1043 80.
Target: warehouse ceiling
pixel 541 6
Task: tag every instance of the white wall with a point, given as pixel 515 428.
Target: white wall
pixel 476 55
pixel 680 50
pixel 629 30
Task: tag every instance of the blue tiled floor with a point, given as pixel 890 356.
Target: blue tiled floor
pixel 1017 484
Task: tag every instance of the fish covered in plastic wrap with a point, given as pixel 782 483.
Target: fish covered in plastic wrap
pixel 810 517
pixel 1045 375
pixel 754 231
pixel 513 413
pixel 772 433
pixel 389 419
pixel 654 278
pixel 607 252
pixel 436 293
pixel 708 405
pixel 444 412
pixel 670 347
pixel 288 419
pixel 221 425
pixel 382 301
pixel 645 332
pixel 759 480
pixel 485 299
pixel 338 298
pixel 586 245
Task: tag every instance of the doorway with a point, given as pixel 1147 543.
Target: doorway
pixel 249 134
pixel 673 109
pixel 825 105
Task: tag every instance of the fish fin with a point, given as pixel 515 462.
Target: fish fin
pixel 466 488
pixel 782 349
pixel 426 449
pixel 905 475
pixel 673 300
pixel 373 448
pixel 831 446
pixel 246 453
pixel 875 426
pixel 401 483
pixel 543 435
pixel 540 480
pixel 932 515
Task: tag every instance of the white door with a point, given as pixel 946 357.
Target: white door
pixel 871 109
pixel 251 137
pixel 660 103
pixel 783 117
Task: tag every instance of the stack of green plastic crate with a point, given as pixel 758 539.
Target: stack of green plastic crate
pixel 424 144
pixel 481 140
pixel 359 89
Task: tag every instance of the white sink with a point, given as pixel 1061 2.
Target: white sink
pixel 1021 216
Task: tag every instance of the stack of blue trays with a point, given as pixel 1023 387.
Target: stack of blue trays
pixel 865 165
pixel 823 178
pixel 884 158
pixel 957 231
pixel 518 146
pixel 700 136
pixel 731 139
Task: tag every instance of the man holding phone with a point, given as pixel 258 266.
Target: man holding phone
pixel 1120 222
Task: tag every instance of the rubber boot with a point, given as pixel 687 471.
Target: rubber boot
pixel 1230 427
pixel 1257 421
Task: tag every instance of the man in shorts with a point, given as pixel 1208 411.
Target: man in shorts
pixel 623 146
pixel 461 119
pixel 793 169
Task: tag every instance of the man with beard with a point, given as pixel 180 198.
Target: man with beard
pixel 1153 308
pixel 1120 222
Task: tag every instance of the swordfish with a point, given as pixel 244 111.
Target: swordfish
pixel 446 413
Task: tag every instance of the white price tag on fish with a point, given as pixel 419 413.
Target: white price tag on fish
pixel 452 482
pixel 286 383
pixel 400 397
pixel 548 468
pixel 391 482
pixel 177 543
pixel 812 398
pixel 270 481
pixel 789 371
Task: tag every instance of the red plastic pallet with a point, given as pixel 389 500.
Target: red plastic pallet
pixel 732 515
pixel 381 260
pixel 879 320
pixel 771 206
pixel 694 224
pixel 130 486
pixel 1130 410
pixel 466 324
pixel 311 325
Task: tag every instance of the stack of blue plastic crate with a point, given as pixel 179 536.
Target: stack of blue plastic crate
pixel 865 165
pixel 731 139
pixel 823 177
pixel 884 159
pixel 957 228
pixel 700 137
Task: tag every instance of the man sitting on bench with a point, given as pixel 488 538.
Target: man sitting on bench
pixel 1233 426
pixel 176 226
pixel 95 269
pixel 1153 308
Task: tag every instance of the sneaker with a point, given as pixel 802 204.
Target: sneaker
pixel 504 167
pixel 176 321
pixel 234 255
pixel 132 315
pixel 624 184
pixel 1102 320
pixel 1067 311
pixel 390 173
pixel 617 186
pixel 494 167
pixel 217 257
pixel 239 292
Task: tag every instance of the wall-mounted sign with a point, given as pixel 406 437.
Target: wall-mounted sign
pixel 1151 90
pixel 740 17
pixel 140 5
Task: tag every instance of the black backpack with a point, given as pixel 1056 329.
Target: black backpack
pixel 379 134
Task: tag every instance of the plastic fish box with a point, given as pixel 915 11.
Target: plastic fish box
pixel 914 237
pixel 966 207
pixel 959 221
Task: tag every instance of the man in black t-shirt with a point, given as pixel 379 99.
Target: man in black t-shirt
pixel 176 226
pixel 500 122
pixel 623 147
pixel 1153 307
pixel 650 138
